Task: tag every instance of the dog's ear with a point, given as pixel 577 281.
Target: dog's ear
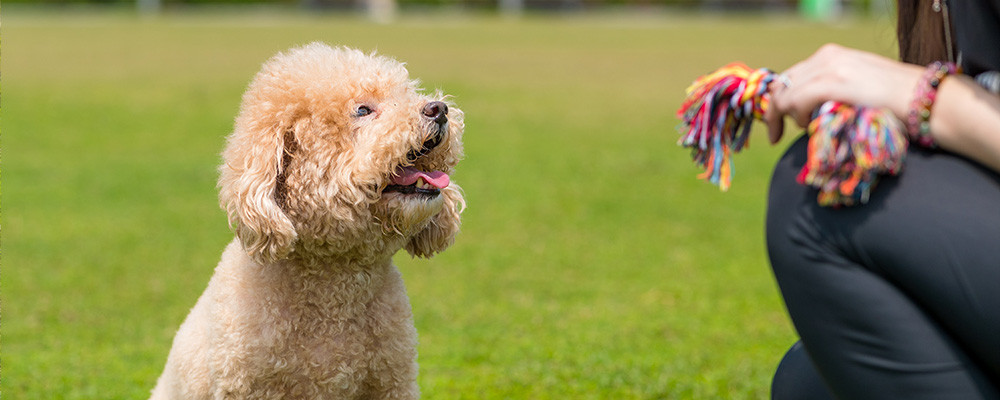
pixel 440 232
pixel 252 189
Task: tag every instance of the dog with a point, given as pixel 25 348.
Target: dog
pixel 337 160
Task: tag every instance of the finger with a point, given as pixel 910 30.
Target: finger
pixel 799 100
pixel 801 117
pixel 773 117
pixel 775 126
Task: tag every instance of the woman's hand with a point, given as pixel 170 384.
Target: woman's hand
pixel 965 118
pixel 841 74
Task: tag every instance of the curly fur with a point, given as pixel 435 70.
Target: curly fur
pixel 306 303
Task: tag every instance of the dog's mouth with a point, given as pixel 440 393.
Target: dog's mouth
pixel 433 141
pixel 409 180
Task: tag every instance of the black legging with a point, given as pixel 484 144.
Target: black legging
pixel 895 299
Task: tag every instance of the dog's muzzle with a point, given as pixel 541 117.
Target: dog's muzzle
pixel 410 180
pixel 436 113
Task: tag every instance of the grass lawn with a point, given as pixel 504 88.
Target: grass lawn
pixel 592 264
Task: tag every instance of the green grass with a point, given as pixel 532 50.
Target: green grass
pixel 592 264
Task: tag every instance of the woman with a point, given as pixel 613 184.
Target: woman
pixel 898 298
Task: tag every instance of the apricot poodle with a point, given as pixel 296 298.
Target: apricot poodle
pixel 336 162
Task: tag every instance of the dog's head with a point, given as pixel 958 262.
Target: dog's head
pixel 338 153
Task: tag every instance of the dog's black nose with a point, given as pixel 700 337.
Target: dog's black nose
pixel 437 111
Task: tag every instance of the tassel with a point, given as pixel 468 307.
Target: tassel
pixel 849 147
pixel 718 113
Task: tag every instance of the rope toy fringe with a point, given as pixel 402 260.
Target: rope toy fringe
pixel 849 147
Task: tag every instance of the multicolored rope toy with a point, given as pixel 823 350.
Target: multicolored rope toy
pixel 849 147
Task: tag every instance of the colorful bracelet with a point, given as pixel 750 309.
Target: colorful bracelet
pixel 919 125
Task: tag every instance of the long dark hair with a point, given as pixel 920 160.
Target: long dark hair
pixel 920 32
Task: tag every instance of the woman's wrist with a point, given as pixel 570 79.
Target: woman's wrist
pixel 904 80
pixel 965 120
pixel 924 94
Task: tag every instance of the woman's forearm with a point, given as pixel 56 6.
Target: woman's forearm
pixel 965 119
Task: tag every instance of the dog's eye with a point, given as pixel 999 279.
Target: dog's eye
pixel 362 111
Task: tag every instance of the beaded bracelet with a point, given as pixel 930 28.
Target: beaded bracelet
pixel 919 125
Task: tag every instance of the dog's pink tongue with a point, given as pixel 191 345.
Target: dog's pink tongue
pixel 408 175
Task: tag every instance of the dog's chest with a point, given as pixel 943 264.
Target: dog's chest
pixel 331 346
pixel 312 365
